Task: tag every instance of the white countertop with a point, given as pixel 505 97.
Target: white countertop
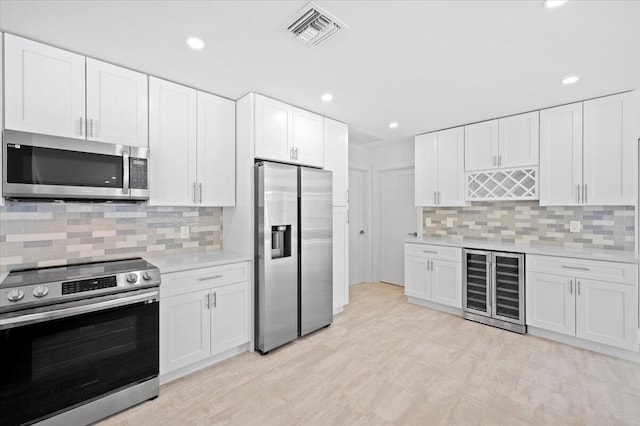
pixel 584 253
pixel 201 259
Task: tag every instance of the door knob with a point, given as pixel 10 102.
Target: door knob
pixel 361 232
pixel 413 234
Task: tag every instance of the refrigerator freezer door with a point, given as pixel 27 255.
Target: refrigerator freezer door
pixel 316 250
pixel 277 275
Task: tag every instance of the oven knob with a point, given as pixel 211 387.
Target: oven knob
pixel 147 276
pixel 15 295
pixel 40 291
pixel 132 278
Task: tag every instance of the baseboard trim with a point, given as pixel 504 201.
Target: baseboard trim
pixel 338 310
pixel 585 344
pixel 192 368
pixel 436 306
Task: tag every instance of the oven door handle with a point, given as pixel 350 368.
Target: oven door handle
pixel 27 319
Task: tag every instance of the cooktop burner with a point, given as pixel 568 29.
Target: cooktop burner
pixel 26 288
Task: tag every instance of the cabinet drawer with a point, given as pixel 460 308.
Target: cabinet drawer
pixel 624 273
pixel 203 278
pixel 433 252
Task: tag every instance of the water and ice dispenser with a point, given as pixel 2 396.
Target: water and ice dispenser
pixel 280 241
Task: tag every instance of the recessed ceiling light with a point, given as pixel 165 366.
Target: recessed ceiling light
pixel 393 125
pixel 552 4
pixel 327 97
pixel 570 80
pixel 195 43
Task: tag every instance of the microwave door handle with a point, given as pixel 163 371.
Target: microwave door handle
pixel 125 169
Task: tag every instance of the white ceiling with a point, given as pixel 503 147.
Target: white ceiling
pixel 426 64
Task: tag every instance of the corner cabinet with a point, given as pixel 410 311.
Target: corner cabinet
pixel 588 153
pixel 204 313
pixel 592 300
pixel 55 92
pixel 433 273
pixel 439 165
pixel 336 159
pixel 192 147
pixel 287 134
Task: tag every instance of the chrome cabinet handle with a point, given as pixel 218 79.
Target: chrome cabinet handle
pixel 570 286
pixel 585 194
pixel 213 277
pixel 200 185
pixel 578 192
pixel 428 266
pixel 194 192
pixel 411 234
pixel 81 126
pixel 500 160
pixel 435 200
pixel 575 267
pixel 578 287
pixel 494 161
pixel 206 303
pixel 291 153
pixel 296 153
pixel 90 128
pixel 429 251
pixel 215 300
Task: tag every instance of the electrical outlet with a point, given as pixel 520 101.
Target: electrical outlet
pixel 427 221
pixel 574 226
pixel 184 232
pixel 449 221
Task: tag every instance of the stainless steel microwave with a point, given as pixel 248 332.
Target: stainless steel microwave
pixel 49 167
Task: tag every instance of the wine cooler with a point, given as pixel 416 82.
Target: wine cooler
pixel 493 292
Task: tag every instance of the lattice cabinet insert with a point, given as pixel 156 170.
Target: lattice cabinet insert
pixel 509 184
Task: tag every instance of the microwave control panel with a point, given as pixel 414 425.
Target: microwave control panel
pixel 138 173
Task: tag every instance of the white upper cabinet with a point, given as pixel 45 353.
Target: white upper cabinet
pixel 308 129
pixel 172 144
pixel 561 155
pixel 273 129
pixel 216 150
pixel 609 150
pixel 505 143
pixel 116 104
pixel 518 140
pixel 44 89
pixel 439 168
pixel 336 158
pixel 588 153
pixel 481 145
pixel 287 134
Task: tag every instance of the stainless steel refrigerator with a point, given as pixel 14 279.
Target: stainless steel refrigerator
pixel 294 244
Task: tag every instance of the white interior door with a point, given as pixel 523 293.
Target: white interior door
pixel 356 227
pixel 397 219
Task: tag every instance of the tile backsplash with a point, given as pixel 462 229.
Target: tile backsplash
pixel 528 223
pixel 42 234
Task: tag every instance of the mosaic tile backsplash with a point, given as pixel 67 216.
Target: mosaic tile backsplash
pixel 528 223
pixel 43 234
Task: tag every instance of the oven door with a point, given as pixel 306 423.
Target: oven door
pixel 55 360
pixel 40 166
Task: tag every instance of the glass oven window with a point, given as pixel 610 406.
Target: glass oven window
pixel 47 166
pixel 52 366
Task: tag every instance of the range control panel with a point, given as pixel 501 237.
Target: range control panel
pixel 89 285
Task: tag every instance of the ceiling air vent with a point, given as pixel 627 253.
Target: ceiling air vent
pixel 313 25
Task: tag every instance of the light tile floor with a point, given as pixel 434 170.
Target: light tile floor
pixel 385 361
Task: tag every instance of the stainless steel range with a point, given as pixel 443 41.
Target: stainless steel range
pixel 78 342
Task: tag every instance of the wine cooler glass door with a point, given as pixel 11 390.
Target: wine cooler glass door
pixel 477 277
pixel 508 294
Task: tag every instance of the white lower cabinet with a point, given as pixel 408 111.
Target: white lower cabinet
pixel 433 273
pixel 211 316
pixel 570 301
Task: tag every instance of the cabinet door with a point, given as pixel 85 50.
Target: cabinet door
pixel 44 89
pixel 609 151
pixel 336 155
pixel 1 114
pixel 561 155
pixel 607 313
pixel 417 277
pixel 273 129
pixel 519 140
pixel 425 164
pixel 308 129
pixel 450 167
pixel 216 150
pixel 230 316
pixel 172 144
pixel 481 145
pixel 447 283
pixel 551 302
pixel 117 110
pixel 340 257
pixel 185 330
